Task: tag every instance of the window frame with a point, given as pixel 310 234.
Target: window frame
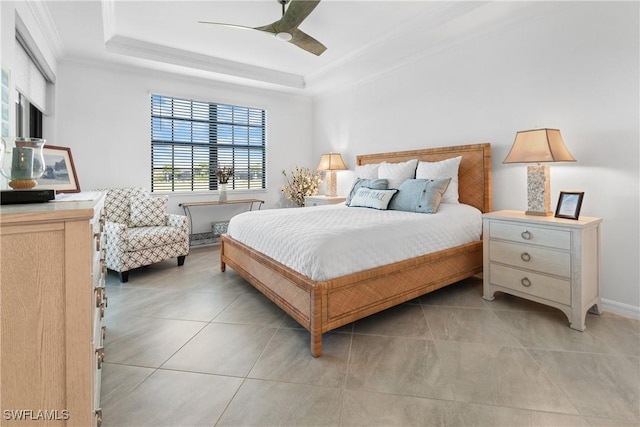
pixel 191 138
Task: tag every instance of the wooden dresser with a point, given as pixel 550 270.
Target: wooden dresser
pixel 52 300
pixel 549 260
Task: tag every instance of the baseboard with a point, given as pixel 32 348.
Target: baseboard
pixel 620 308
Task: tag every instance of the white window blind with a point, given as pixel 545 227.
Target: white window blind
pixel 190 139
pixel 28 79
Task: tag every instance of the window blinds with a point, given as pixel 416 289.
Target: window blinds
pixel 28 79
pixel 190 139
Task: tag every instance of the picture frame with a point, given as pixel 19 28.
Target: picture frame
pixel 569 204
pixel 60 171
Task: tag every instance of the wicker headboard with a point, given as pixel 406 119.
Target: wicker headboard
pixel 474 175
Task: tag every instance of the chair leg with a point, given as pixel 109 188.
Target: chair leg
pixel 181 260
pixel 124 276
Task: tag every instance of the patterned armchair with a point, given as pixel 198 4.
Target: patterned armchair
pixel 139 232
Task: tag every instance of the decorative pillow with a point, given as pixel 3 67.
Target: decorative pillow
pixel 397 173
pixel 439 170
pixel 370 198
pixel 419 195
pixel 369 171
pixel 148 211
pixel 376 184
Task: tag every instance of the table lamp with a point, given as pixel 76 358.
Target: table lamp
pixel 331 162
pixel 538 146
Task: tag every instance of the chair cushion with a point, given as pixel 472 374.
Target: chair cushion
pixel 148 211
pixel 117 203
pixel 140 238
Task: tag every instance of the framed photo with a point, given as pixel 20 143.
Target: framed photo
pixel 569 205
pixel 59 170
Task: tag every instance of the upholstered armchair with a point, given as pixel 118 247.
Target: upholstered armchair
pixel 139 232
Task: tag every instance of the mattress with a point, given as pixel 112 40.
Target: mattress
pixel 325 242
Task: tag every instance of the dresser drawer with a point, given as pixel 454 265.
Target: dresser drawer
pixel 531 258
pixel 524 233
pixel 538 285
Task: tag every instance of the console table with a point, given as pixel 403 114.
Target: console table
pixel 210 237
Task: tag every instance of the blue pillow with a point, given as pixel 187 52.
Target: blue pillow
pixel 376 184
pixel 419 195
pixel 370 198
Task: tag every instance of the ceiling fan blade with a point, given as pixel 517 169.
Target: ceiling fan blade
pixel 227 25
pixel 296 12
pixel 306 42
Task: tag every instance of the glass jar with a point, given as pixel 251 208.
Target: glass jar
pixel 22 161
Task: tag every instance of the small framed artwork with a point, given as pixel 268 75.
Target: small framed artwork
pixel 59 170
pixel 569 205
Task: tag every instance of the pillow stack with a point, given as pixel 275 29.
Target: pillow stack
pixel 412 186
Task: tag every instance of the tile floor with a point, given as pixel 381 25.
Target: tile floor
pixel 192 346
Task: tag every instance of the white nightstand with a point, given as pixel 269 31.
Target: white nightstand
pixel 323 200
pixel 549 260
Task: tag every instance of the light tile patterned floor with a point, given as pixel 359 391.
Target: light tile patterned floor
pixel 192 346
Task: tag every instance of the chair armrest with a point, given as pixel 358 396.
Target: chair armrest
pixel 181 221
pixel 116 235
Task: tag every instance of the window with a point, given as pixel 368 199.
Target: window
pixel 28 118
pixel 190 139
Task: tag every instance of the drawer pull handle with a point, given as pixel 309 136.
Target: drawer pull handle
pixel 525 282
pixel 98 417
pixel 99 357
pixel 99 296
pixel 526 235
pixel 525 257
pixel 97 236
pixel 104 332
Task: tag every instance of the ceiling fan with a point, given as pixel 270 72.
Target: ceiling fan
pixel 286 28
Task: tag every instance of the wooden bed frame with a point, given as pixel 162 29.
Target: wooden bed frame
pixel 323 306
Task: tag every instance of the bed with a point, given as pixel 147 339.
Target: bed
pixel 336 300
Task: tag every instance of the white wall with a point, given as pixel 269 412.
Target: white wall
pixel 576 69
pixel 103 114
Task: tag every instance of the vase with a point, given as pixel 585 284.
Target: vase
pixel 22 161
pixel 222 190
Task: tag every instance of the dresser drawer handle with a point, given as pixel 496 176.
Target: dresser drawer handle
pixel 98 417
pixel 526 235
pixel 525 257
pixel 99 357
pixel 99 296
pixel 525 282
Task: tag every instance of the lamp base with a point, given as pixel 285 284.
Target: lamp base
pixel 331 184
pixel 538 190
pixel 534 213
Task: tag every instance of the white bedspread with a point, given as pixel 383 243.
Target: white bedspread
pixel 325 242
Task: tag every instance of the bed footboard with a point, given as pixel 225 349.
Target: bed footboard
pixel 323 306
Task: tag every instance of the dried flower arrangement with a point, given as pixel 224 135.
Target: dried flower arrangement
pixel 223 174
pixel 302 182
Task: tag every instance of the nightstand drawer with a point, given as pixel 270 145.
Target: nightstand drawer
pixel 538 285
pixel 524 233
pixel 531 258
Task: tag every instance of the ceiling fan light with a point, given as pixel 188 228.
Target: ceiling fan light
pixel 285 37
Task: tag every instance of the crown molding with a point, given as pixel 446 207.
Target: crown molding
pixel 141 49
pixel 108 19
pixel 44 20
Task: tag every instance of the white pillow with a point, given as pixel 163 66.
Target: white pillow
pixel 397 173
pixel 369 171
pixel 148 211
pixel 440 170
pixel 371 198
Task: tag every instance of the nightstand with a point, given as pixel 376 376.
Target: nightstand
pixel 549 260
pixel 323 200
